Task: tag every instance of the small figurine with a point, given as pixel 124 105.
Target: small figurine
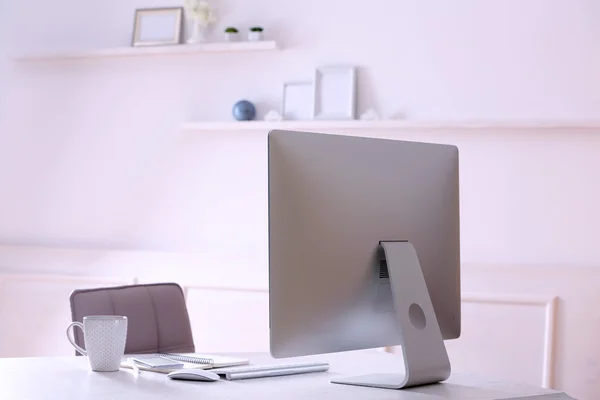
pixel 273 116
pixel 369 115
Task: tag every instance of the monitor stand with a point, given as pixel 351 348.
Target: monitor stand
pixel 425 357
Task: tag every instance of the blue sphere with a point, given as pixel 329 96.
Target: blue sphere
pixel 243 110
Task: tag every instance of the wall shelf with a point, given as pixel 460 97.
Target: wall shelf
pixel 382 125
pixel 180 49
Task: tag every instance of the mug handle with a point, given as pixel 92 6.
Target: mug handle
pixel 80 325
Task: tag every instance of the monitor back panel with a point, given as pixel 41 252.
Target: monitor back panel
pixel 332 198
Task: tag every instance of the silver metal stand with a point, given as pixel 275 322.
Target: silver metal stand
pixel 425 357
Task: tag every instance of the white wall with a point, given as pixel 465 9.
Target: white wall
pixel 91 154
pixel 4 81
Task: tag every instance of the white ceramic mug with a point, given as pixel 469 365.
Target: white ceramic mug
pixel 104 337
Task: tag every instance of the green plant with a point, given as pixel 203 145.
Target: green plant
pixel 231 29
pixel 256 29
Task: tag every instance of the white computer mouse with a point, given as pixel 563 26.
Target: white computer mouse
pixel 194 375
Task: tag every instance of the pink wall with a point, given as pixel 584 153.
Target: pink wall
pixel 90 153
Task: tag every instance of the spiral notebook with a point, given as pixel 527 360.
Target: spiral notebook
pixel 205 359
pixel 192 361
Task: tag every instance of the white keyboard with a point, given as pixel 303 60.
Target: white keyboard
pixel 267 370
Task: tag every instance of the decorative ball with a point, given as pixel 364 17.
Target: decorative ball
pixel 243 110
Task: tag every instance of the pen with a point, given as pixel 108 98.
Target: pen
pixel 134 366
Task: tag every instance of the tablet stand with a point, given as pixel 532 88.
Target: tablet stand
pixel 425 357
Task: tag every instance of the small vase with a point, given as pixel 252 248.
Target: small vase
pixel 197 35
pixel 255 36
pixel 231 37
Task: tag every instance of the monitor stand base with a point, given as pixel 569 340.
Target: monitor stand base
pixel 425 357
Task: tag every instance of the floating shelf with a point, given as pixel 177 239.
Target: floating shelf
pixel 386 125
pixel 180 49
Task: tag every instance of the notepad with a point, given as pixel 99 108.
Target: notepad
pixel 214 361
pixel 190 361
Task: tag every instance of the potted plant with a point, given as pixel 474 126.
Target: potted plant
pixel 202 16
pixel 255 34
pixel 231 34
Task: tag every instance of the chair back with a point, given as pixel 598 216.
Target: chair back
pixel 158 320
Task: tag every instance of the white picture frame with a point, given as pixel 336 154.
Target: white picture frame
pixel 335 93
pixel 297 104
pixel 157 26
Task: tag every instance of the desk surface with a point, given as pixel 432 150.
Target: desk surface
pixel 71 378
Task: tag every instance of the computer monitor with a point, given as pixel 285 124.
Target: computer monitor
pixel 364 250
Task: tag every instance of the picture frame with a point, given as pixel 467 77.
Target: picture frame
pixel 335 93
pixel 157 26
pixel 297 100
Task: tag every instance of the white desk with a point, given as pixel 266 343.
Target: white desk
pixel 71 378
